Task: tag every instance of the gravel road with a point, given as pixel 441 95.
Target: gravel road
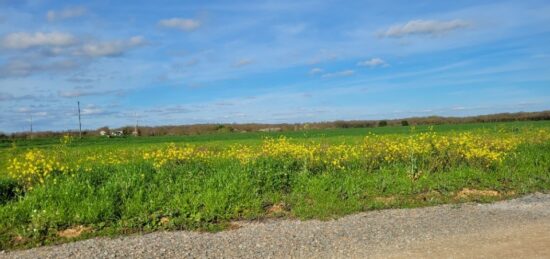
pixel 517 228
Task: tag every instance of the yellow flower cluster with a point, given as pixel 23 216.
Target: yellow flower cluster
pixel 103 157
pixel 374 151
pixel 429 150
pixel 481 149
pixel 312 155
pixel 244 154
pixel 284 148
pixel 176 154
pixel 34 166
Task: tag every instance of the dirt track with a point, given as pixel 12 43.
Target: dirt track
pixel 517 228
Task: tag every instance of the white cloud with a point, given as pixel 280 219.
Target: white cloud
pixel 69 12
pixel 178 109
pixel 110 49
pixel 373 62
pixel 424 27
pixel 96 111
pixel 24 110
pixel 56 52
pixel 23 67
pixel 243 62
pixel 6 97
pixel 79 93
pixel 180 23
pixel 315 71
pixel 16 68
pixel 23 40
pixel 10 97
pixel 339 74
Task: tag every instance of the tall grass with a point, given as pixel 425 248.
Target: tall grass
pixel 139 196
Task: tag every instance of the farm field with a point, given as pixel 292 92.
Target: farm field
pixel 100 186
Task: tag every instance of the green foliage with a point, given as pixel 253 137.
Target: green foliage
pixel 9 188
pixel 138 197
pixel 330 135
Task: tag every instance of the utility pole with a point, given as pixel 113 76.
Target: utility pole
pixel 136 132
pixel 79 122
pixel 31 125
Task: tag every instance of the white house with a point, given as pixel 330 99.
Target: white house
pixel 117 133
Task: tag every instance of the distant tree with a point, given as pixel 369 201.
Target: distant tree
pixel 127 130
pixel 341 124
pixel 104 128
pixel 251 127
pixel 224 128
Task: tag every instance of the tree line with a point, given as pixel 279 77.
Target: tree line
pixel 196 129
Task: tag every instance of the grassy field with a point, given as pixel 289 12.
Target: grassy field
pixel 99 186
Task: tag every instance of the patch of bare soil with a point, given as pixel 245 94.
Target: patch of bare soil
pixel 19 240
pixel 74 231
pixel 466 193
pixel 277 209
pixel 164 220
pixel 386 200
pixel 234 225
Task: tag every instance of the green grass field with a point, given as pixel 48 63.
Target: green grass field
pixel 203 182
pixel 336 135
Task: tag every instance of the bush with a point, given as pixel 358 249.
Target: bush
pixel 404 123
pixel 382 123
pixel 8 189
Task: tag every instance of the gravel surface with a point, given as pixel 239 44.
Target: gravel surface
pixel 514 228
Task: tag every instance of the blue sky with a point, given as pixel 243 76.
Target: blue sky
pixel 186 62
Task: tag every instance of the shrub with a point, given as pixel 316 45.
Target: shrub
pixel 8 189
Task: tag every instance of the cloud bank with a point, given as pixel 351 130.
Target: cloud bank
pixel 24 40
pixel 180 23
pixel 339 74
pixel 424 27
pixel 111 49
pixel 67 13
pixel 373 62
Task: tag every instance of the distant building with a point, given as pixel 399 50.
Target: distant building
pixel 117 133
pixel 270 130
pixel 103 133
